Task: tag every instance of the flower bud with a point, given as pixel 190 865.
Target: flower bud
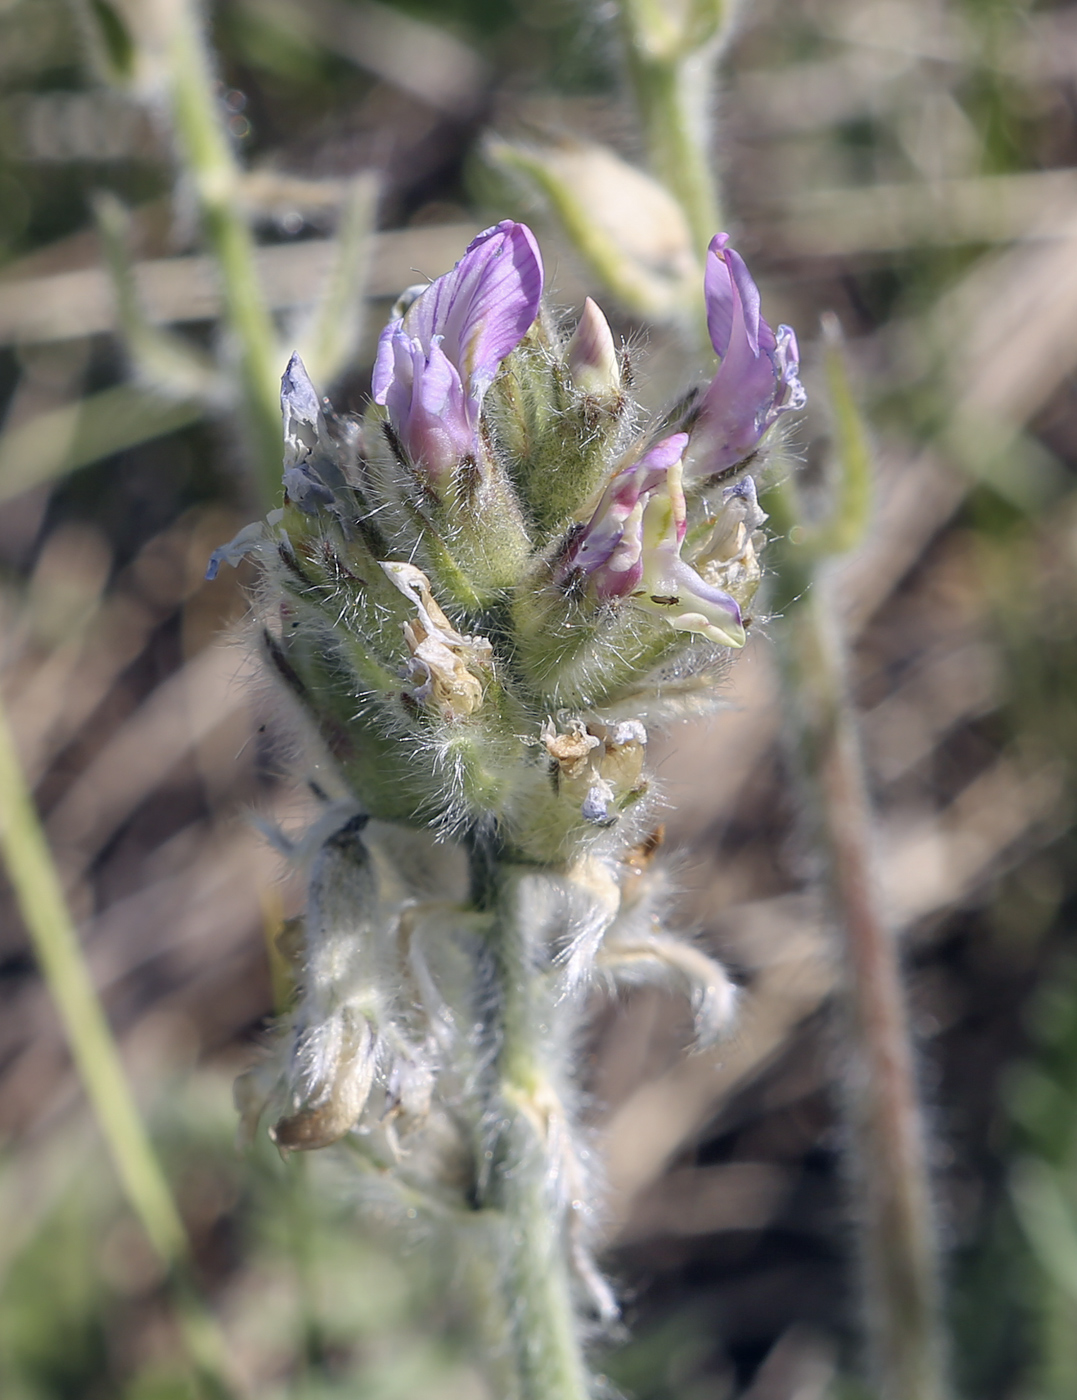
pixel 591 355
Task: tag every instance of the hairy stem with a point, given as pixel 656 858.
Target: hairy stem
pixel 669 63
pixel 209 163
pixel 524 1185
pixel 887 1154
pixel 38 891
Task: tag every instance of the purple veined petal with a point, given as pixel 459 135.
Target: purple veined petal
pixel 733 412
pixel 421 389
pixel 657 460
pixel 619 573
pixel 484 307
pixel 732 300
pixel 756 379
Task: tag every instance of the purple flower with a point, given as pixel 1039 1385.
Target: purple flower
pixel 631 549
pixel 436 362
pixel 610 549
pixel 757 378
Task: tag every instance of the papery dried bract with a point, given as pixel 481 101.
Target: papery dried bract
pixel 444 662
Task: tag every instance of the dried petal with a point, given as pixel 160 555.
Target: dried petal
pixel 444 662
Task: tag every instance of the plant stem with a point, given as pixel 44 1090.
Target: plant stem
pixel 208 162
pixel 887 1155
pixel 545 1337
pixel 670 73
pixel 40 896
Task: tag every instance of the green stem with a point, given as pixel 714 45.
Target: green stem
pixel 545 1337
pixel 40 897
pixel 677 139
pixel 669 63
pixel 208 161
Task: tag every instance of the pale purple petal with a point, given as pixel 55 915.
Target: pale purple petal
pixel 427 399
pixel 695 589
pixel 485 306
pixel 384 362
pixel 435 363
pixel 609 549
pixel 791 393
pixel 654 463
pixel 732 300
pixel 757 378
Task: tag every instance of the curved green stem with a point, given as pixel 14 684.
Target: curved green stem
pixel 669 63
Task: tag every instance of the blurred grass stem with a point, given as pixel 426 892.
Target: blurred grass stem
pixel 208 162
pixel 886 1152
pixel 38 891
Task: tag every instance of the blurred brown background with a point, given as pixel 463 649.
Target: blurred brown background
pixel 906 164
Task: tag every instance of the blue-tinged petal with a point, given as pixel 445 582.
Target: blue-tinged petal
pixel 757 378
pixel 384 362
pixel 484 307
pixel 427 400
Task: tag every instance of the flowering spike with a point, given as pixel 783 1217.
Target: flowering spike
pixel 488 853
pixel 757 378
pixel 435 363
pixel 591 355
